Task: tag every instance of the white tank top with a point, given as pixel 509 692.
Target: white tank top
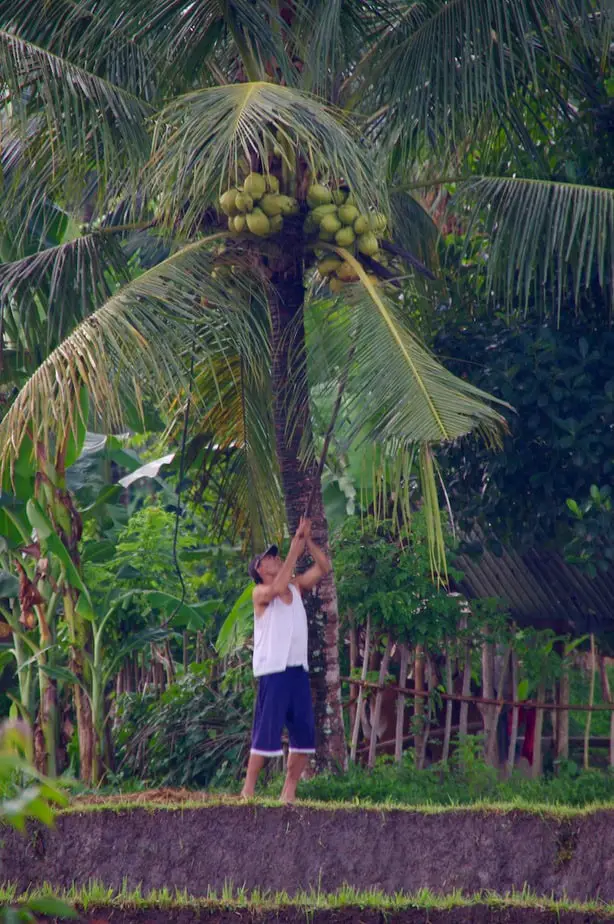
pixel 280 636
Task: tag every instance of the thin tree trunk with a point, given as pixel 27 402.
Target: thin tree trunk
pixel 292 419
pixel 418 702
pixel 359 702
pixel 445 755
pixel 353 664
pixel 606 695
pixel 488 692
pixel 463 721
pixel 536 769
pixel 562 721
pixel 591 702
pixel 429 714
pixel 398 740
pixel 511 757
pixel 383 670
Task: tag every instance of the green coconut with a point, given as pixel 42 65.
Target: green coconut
pixel 348 214
pixel 255 185
pixel 362 224
pixel 347 273
pixel 328 265
pixel 321 210
pixel 238 223
pixel 345 237
pixel 319 195
pixel 227 201
pixel 244 202
pixel 276 223
pixel 330 223
pixel 326 235
pixel 272 184
pixel 368 244
pixel 378 222
pixel 271 204
pixel 289 205
pixel 258 223
pixel 339 196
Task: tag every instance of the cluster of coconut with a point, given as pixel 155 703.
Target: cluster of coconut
pixel 257 206
pixel 333 217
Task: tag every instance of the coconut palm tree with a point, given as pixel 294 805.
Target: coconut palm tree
pixel 138 119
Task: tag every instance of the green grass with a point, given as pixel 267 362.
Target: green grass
pixel 550 810
pixel 96 895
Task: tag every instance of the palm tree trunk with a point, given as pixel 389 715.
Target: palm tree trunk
pixel 292 418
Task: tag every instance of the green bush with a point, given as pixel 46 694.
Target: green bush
pixel 192 735
pixel 462 782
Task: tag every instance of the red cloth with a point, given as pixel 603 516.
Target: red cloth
pixel 527 716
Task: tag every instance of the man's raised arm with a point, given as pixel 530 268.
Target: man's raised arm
pixel 322 566
pixel 264 593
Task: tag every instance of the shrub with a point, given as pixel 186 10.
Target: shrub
pixel 193 735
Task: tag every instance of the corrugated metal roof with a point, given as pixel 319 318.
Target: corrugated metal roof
pixel 541 588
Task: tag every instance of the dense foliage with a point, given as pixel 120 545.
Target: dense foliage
pixel 550 486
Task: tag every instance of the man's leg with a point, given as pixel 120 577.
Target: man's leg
pixel 301 730
pixel 296 765
pixel 267 728
pixel 254 766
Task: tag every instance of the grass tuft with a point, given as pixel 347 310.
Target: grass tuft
pixel 96 895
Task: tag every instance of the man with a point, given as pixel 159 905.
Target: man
pixel 280 659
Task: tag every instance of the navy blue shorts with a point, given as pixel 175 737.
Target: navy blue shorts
pixel 284 700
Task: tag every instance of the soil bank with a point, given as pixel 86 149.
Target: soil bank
pixel 296 849
pixel 475 914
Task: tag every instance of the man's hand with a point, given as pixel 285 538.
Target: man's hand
pixel 321 566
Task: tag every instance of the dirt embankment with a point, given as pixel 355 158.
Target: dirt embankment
pixel 476 914
pixel 300 849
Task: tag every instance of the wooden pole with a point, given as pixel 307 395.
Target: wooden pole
pixel 383 670
pixel 591 700
pixel 418 700
pixel 536 769
pixel 511 757
pixel 398 745
pixel 365 669
pixel 607 697
pixel 445 755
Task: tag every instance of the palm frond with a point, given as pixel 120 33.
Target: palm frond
pixel 182 37
pixel 71 122
pixel 137 347
pixel 400 401
pixel 235 400
pixel 81 32
pixel 548 239
pixel 43 296
pixel 414 229
pixel 331 36
pixel 440 73
pixel 203 136
pixel 404 394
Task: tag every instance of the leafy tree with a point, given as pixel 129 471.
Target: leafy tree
pixel 145 115
pixel 550 485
